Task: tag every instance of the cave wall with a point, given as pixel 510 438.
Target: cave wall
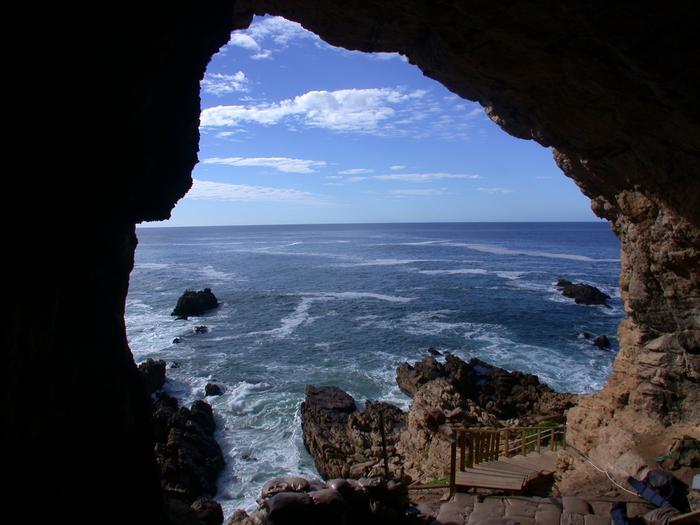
pixel 103 113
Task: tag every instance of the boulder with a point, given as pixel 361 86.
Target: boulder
pixel 213 389
pixel 195 303
pixel 153 374
pixel 201 329
pixel 582 293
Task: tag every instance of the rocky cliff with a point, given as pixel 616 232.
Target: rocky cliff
pixel 109 93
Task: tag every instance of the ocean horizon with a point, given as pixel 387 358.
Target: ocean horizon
pixel 344 304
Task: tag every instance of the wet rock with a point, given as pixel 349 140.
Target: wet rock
pixel 212 389
pixel 201 512
pixel 434 352
pixel 177 340
pixel 195 303
pixel 153 374
pixel 188 456
pixel 582 293
pixel 601 341
pixel 201 329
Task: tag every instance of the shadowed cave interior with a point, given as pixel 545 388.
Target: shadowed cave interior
pixel 612 89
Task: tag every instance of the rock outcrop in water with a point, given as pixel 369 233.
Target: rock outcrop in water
pixel 153 374
pixel 195 303
pixel 345 441
pixel 582 293
pixel 188 456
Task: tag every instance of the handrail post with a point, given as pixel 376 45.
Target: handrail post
pixel 505 445
pixel 553 444
pixel 472 449
pixel 453 466
pixel 462 452
pixel 539 437
pixel 498 445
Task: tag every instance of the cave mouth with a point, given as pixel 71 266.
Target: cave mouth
pixel 291 321
pixel 610 89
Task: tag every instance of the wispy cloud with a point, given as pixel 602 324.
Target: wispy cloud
pixel 492 191
pixel 283 164
pixel 425 177
pixel 354 110
pixel 222 84
pixel 269 34
pixel 355 171
pixel 221 191
pixel 357 178
pixel 397 167
pixel 417 192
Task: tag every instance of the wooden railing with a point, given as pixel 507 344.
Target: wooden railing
pixel 482 445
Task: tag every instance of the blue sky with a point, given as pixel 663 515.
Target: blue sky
pixel 296 131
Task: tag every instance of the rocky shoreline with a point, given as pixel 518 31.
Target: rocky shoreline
pixel 188 458
pixel 345 440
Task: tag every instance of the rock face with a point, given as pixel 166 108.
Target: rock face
pixel 611 88
pixel 582 293
pixel 195 303
pixel 345 441
pixel 188 456
pixel 504 394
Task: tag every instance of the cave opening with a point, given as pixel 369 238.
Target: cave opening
pixel 296 131
pixel 611 89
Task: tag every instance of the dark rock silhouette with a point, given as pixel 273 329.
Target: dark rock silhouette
pixel 582 293
pixel 201 329
pixel 192 303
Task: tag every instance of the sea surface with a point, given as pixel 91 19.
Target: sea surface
pixel 345 304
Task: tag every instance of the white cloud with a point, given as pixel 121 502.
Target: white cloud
pixel 397 167
pixel 244 40
pixel 355 110
pixel 283 164
pixel 492 191
pixel 222 84
pixel 269 34
pixel 355 171
pixel 417 192
pixel 357 179
pixel 208 190
pixel 425 177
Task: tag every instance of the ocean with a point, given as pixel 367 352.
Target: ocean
pixel 343 305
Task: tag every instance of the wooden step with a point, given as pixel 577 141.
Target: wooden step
pixel 472 478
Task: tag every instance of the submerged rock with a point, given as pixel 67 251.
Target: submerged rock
pixel 201 329
pixel 582 293
pixel 153 374
pixel 195 303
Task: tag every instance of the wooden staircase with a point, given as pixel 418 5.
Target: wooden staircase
pixel 504 459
